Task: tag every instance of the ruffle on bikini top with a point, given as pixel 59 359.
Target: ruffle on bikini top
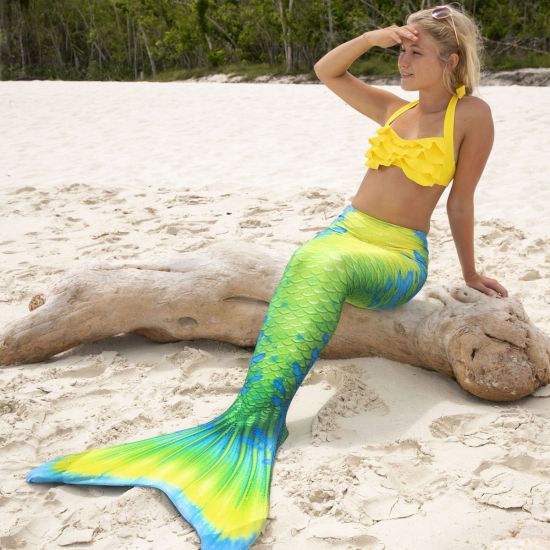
pixel 422 160
pixel 427 161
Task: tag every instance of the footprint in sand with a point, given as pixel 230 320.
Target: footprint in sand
pixel 352 397
pixel 26 189
pixel 516 475
pixel 251 223
pixel 530 275
pixel 386 481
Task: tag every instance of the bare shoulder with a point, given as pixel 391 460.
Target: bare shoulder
pixel 395 104
pixel 473 116
pixel 473 108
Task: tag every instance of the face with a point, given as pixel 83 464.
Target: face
pixel 419 59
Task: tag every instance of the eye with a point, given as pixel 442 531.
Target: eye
pixel 414 53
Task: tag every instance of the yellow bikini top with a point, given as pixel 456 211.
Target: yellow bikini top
pixel 427 161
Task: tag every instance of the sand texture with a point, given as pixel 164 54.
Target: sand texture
pixel 380 455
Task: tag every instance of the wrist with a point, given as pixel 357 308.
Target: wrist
pixel 366 39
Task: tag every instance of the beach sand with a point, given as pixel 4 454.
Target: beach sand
pixel 381 455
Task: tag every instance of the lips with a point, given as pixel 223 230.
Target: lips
pixel 406 74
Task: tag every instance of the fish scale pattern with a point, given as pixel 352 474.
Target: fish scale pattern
pixel 218 474
pixel 358 259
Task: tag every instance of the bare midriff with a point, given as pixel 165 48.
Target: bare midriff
pixel 388 195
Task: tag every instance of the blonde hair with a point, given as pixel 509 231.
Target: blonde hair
pixel 470 50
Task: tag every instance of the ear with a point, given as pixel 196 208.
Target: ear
pixel 453 60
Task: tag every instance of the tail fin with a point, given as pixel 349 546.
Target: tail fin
pixel 218 475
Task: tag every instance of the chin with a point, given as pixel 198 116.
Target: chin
pixel 408 86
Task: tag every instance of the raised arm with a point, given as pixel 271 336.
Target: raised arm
pixel 332 70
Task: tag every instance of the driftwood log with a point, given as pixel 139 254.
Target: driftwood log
pixel 221 292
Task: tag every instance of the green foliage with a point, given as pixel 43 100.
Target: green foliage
pixel 509 62
pixel 133 39
pixel 216 58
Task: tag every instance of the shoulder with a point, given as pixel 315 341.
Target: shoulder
pixel 394 106
pixel 475 125
pixel 473 119
pixel 471 108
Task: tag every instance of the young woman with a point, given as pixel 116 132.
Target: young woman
pixel 447 134
pixel 373 255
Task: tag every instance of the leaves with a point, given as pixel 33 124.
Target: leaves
pixel 126 38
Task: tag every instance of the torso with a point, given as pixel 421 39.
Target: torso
pixel 387 194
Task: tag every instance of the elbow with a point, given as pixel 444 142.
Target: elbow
pixel 322 74
pixel 317 70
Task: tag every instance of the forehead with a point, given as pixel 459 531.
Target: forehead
pixel 424 41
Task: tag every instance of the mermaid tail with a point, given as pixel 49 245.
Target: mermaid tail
pixel 218 474
pixel 358 259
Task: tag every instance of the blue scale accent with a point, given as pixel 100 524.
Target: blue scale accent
pixel 297 369
pixel 274 358
pixel 299 337
pixel 278 385
pixel 323 233
pixel 277 401
pixel 420 259
pixel 339 229
pixel 257 358
pixel 253 442
pixel 314 354
pixel 254 378
pixel 402 286
pixel 326 337
pixel 347 209
pixel 422 236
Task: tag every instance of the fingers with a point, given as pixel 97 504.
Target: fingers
pixel 406 32
pixel 495 289
pixel 490 287
pixel 503 292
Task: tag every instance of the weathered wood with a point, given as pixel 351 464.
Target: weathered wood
pixel 221 293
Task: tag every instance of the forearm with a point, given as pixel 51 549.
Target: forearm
pixel 337 61
pixel 461 222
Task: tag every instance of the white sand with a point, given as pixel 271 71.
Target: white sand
pixel 380 455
